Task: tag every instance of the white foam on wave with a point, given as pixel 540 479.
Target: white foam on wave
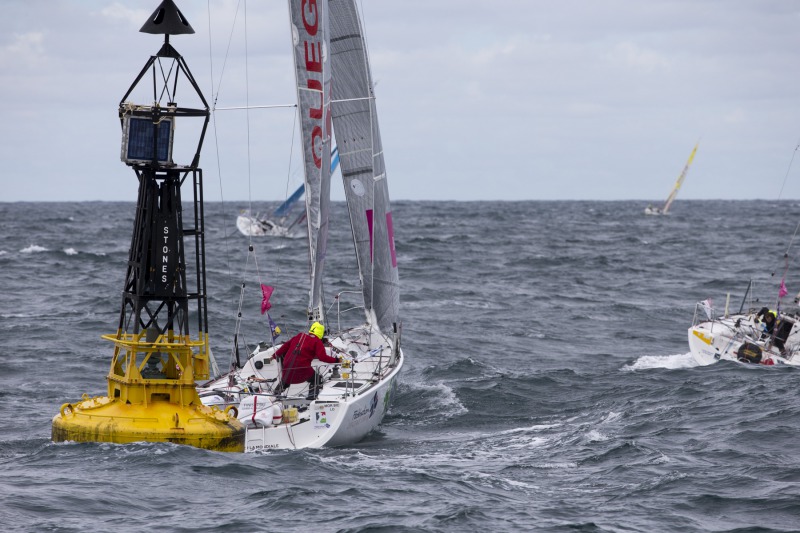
pixel 71 251
pixel 595 436
pixel 526 429
pixel 33 248
pixel 611 417
pixel 672 362
pixel 449 402
pixel 3 252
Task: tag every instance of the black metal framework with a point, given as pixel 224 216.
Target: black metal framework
pixel 158 288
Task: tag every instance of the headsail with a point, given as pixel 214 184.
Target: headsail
pixel 309 25
pixel 363 171
pixel 679 182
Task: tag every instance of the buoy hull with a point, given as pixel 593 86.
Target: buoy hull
pixel 105 420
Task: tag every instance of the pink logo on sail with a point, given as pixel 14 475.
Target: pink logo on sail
pixel 369 225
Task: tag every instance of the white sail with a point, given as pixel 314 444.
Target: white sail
pixel 358 138
pixel 310 37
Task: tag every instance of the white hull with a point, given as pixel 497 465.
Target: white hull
pixel 722 339
pixel 653 211
pixel 253 226
pixel 347 408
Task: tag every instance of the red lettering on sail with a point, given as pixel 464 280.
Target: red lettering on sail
pixel 316 112
pixel 309 9
pixel 314 59
pixel 316 133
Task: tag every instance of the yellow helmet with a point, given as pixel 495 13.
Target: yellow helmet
pixel 317 329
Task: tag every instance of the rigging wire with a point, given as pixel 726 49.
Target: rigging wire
pixel 371 93
pixel 216 150
pixel 215 97
pixel 783 185
pixel 794 235
pixel 780 194
pixel 247 119
pixel 227 50
pixel 295 120
pixel 241 5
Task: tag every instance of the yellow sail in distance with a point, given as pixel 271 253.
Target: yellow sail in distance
pixel 679 181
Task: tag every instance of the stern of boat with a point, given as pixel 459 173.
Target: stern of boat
pixel 701 345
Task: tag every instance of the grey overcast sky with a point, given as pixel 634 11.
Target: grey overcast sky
pixel 477 99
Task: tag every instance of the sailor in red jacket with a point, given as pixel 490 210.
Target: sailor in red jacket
pixel 297 354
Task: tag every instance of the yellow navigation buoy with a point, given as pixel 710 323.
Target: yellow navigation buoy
pixel 151 397
pixel 152 394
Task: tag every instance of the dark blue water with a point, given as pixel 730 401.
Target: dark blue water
pixel 547 386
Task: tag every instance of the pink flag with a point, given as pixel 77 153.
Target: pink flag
pixel 783 291
pixel 266 291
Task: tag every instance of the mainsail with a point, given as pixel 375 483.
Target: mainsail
pixel 361 157
pixel 309 24
pixel 679 182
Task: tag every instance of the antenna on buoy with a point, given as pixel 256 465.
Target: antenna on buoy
pixel 161 345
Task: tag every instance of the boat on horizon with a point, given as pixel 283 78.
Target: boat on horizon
pixel 663 210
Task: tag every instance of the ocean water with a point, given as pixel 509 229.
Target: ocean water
pixel 548 385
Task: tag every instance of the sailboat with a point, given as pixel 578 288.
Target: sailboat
pixel 278 223
pixel 753 336
pixel 651 210
pixel 354 395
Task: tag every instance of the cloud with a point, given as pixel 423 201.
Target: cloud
pixel 736 116
pixel 25 50
pixel 134 17
pixel 639 58
pixel 582 93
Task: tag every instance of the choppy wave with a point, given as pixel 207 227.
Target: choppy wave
pixel 32 249
pixel 547 388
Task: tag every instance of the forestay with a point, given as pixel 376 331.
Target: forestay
pixel 361 157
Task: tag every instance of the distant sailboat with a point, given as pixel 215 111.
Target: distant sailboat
pixel 650 210
pixel 276 223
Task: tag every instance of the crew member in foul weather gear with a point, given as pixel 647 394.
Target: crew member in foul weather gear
pixel 767 317
pixel 769 323
pixel 297 354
